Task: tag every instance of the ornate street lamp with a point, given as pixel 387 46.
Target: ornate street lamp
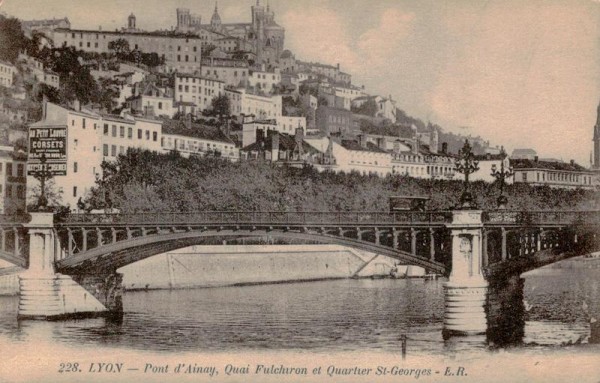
pixel 43 175
pixel 501 175
pixel 466 164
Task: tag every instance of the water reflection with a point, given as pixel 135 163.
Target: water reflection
pixel 342 315
pixel 506 312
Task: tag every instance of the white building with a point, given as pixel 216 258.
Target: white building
pixel 361 156
pixel 262 107
pixel 92 138
pixel 197 140
pixel 289 124
pixel 153 101
pixel 554 174
pixel 7 71
pixel 348 94
pixel 264 80
pixel 489 162
pixel 197 90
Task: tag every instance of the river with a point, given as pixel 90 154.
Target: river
pixel 325 317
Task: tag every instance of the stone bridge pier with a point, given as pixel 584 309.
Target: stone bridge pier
pixel 45 294
pixel 466 290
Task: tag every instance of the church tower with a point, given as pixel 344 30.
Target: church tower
pixel 596 163
pixel 131 22
pixel 215 21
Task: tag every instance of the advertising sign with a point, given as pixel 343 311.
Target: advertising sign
pixel 50 143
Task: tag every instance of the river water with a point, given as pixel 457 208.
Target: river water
pixel 336 316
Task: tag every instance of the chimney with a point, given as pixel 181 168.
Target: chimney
pixel 260 135
pixel 362 140
pixel 77 105
pixel 338 66
pixel 572 162
pixel 444 148
pixel 275 147
pixel 381 143
pixel 536 158
pixel 299 135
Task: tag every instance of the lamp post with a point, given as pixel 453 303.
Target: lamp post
pixel 501 175
pixel 43 175
pixel 466 164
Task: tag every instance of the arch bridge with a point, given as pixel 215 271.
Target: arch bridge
pixel 85 250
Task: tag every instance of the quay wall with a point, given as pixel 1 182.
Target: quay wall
pixel 226 265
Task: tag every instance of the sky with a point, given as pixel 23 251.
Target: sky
pixel 520 74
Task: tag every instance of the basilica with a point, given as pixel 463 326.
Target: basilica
pixel 262 37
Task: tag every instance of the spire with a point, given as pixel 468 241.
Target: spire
pixel 216 7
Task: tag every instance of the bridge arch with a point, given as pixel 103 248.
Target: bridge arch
pixel 116 255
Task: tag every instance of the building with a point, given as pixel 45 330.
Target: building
pixel 191 139
pixel 332 72
pixel 263 36
pixel 489 162
pixel 289 124
pixel 282 148
pixel 334 121
pixel 16 111
pixel 45 26
pixel 13 180
pixel 232 72
pixel 554 174
pixel 355 155
pixel 523 154
pixel 182 53
pixel 7 71
pixel 262 107
pixel 264 81
pixel 197 90
pixel 92 138
pixel 386 107
pixel 153 101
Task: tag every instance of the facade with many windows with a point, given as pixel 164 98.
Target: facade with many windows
pixel 195 140
pixel 198 90
pixel 13 180
pixel 181 53
pixel 553 174
pixel 7 70
pixel 92 138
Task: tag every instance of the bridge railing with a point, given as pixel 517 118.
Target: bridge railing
pixel 514 217
pixel 262 218
pixel 20 218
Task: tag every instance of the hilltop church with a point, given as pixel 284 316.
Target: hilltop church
pixel 263 36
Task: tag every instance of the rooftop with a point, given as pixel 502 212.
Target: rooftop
pixel 549 165
pixel 195 130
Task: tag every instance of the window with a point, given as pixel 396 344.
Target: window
pixel 106 129
pixel 129 133
pixel 155 136
pixel 20 170
pixel 9 167
pixel 74 167
pixel 121 150
pixel 139 134
pixel 83 123
pixel 74 191
pixel 122 132
pixel 160 105
pixel 148 135
pixel 105 150
pixel 113 150
pixel 8 191
pixel 114 130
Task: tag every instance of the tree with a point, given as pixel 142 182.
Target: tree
pixel 221 106
pixel 120 47
pixel 368 108
pixel 12 39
